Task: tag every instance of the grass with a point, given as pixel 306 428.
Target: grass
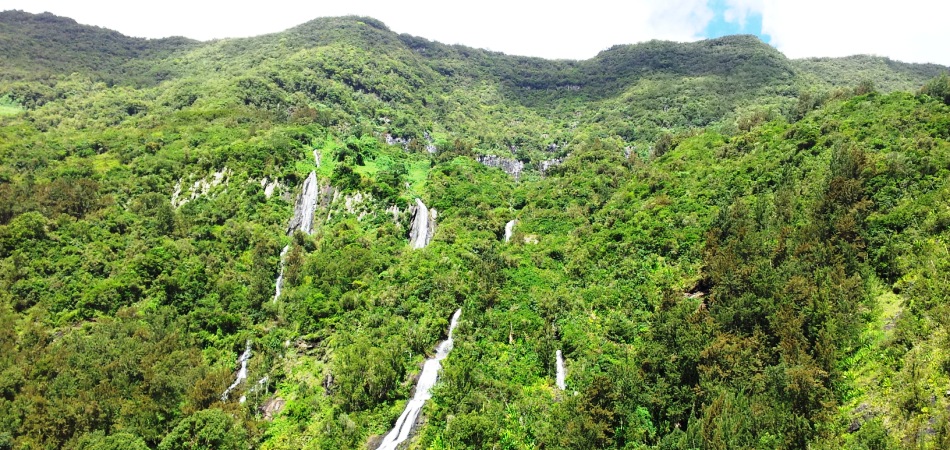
pixel 10 110
pixel 8 107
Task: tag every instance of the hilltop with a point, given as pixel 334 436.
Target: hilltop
pixel 259 243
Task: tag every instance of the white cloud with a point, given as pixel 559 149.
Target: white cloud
pixel 737 11
pixel 910 30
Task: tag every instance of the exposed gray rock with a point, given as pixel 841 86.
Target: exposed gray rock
pixel 272 406
pixel 390 140
pixel 200 187
pixel 546 165
pixel 430 145
pixel 269 186
pixel 510 166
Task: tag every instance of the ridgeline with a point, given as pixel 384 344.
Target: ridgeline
pixel 669 245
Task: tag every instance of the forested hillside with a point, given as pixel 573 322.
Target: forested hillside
pixel 259 243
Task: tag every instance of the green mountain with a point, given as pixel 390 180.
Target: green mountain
pixel 262 242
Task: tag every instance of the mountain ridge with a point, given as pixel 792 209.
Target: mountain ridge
pixel 257 243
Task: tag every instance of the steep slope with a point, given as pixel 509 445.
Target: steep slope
pixel 711 235
pixel 886 74
pixel 37 46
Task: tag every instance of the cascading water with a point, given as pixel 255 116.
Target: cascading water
pixel 423 225
pixel 279 284
pixel 305 207
pixel 561 375
pixel 427 379
pixel 242 373
pixel 304 210
pixel 509 228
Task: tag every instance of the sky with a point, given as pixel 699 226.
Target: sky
pixel 908 30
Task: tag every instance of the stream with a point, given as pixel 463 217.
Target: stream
pixel 302 220
pixel 427 379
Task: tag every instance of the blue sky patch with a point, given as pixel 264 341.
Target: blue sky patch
pixel 719 26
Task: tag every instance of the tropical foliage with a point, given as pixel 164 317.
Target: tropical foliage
pixel 731 249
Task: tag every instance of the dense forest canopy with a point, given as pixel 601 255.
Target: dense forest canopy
pixel 257 243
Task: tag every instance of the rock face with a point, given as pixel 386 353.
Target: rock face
pixel 509 228
pixel 561 376
pixel 546 165
pixel 269 186
pixel 242 373
pixel 271 407
pixel 390 140
pixel 430 144
pixel 423 225
pixel 200 187
pixel 510 166
pixel 427 379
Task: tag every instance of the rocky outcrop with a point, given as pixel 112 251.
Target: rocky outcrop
pixel 510 166
pixel 390 140
pixel 423 225
pixel 430 374
pixel 394 210
pixel 430 144
pixel 271 407
pixel 269 186
pixel 200 187
pixel 547 164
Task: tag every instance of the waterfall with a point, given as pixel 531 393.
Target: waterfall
pixel 509 227
pixel 423 225
pixel 242 373
pixel 560 380
pixel 305 207
pixel 302 220
pixel 427 379
pixel 279 284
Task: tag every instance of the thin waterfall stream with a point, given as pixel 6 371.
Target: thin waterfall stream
pixel 302 220
pixel 427 379
pixel 561 376
pixel 242 373
pixel 509 229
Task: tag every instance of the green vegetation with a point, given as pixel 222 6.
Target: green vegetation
pixel 8 107
pixel 734 250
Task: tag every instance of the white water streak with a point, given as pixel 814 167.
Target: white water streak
pixel 509 228
pixel 242 373
pixel 561 375
pixel 427 379
pixel 304 210
pixel 420 226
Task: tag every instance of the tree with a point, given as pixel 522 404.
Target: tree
pixel 210 429
pixel 938 88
